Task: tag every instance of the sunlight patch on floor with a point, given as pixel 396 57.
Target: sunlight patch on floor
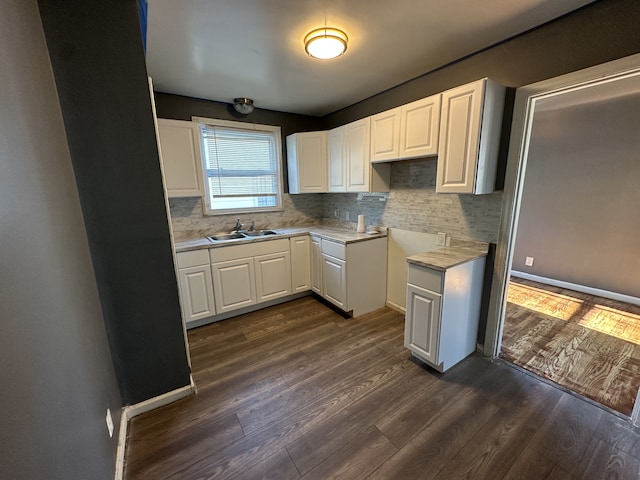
pixel 601 318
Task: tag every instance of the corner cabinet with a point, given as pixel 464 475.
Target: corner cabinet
pixel 409 131
pixel 470 127
pixel 350 168
pixel 443 311
pixel 181 157
pixel 307 162
pixel 352 276
pixel 195 285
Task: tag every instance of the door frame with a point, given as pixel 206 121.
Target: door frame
pixel 525 101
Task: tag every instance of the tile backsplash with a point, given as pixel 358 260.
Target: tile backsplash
pixel 188 221
pixel 412 204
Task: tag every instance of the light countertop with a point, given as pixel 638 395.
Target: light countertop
pixel 448 257
pixel 339 235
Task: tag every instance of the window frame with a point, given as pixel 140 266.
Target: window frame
pixel 275 130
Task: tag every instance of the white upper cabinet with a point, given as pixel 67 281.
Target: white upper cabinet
pixel 350 168
pixel 181 158
pixel 470 127
pixel 337 162
pixel 307 162
pixel 409 131
pixel 357 138
pixel 419 128
pixel 385 135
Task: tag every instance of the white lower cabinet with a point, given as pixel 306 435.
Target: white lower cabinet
pixel 195 284
pixel 352 276
pixel 251 273
pixel 443 311
pixel 273 275
pixel 300 263
pixel 334 280
pixel 234 282
pixel 316 264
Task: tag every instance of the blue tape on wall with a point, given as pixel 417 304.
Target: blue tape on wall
pixel 142 13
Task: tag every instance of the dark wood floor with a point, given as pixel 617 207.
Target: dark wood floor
pixel 297 391
pixel 588 344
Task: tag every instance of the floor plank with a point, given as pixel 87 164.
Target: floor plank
pixel 300 391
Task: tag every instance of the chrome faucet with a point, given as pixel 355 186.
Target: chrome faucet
pixel 238 226
pixel 252 227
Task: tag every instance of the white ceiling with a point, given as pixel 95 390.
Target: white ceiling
pixel 223 49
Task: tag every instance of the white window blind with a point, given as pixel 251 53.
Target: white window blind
pixel 241 168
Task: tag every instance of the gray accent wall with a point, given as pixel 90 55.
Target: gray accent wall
pixel 580 209
pixel 98 63
pixel 56 369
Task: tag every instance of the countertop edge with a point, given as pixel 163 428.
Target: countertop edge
pixel 445 258
pixel 336 235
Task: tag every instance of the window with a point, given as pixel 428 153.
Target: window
pixel 241 166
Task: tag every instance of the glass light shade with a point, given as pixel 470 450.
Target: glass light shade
pixel 325 43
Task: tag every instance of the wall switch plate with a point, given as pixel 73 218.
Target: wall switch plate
pixel 442 239
pixel 528 261
pixel 346 215
pixel 109 423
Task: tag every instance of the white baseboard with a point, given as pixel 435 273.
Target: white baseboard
pixel 131 411
pixel 578 288
pixel 396 307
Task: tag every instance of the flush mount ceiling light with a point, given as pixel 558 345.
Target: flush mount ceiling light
pixel 243 105
pixel 325 43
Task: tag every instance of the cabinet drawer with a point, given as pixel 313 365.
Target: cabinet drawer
pixel 334 249
pixel 192 259
pixel 232 252
pixel 426 278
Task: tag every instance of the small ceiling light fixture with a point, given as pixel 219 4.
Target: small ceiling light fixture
pixel 325 43
pixel 243 105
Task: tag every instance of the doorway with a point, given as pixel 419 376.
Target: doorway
pixel 569 199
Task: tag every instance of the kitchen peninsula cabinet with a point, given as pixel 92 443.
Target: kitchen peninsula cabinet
pixel 195 285
pixel 443 310
pixel 470 127
pixel 409 131
pixel 181 157
pixel 307 162
pixel 350 168
pixel 352 276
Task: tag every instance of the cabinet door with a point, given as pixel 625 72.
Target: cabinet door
pixel 357 148
pixel 337 161
pixel 181 158
pixel 307 162
pixel 273 276
pixel 196 292
pixel 385 135
pixel 334 280
pixel 300 264
pixel 234 285
pixel 422 323
pixel 316 265
pixel 419 128
pixel 459 138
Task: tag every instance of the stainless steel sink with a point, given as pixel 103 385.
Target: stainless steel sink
pixel 225 236
pixel 259 233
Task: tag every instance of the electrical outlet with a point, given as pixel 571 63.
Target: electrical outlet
pixel 109 423
pixel 528 261
pixel 442 239
pixel 346 215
